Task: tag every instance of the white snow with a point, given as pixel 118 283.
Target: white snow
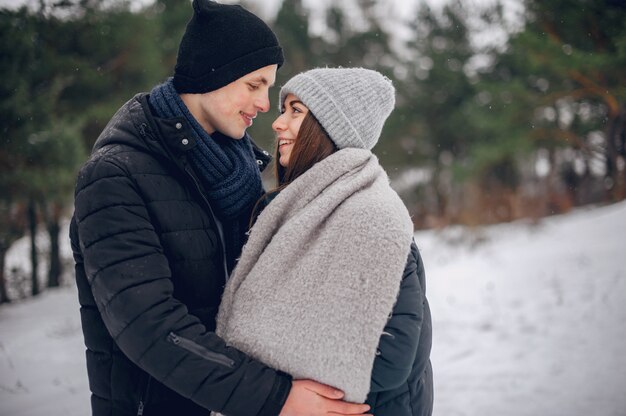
pixel 529 319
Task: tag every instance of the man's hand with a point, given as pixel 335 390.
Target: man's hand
pixel 310 398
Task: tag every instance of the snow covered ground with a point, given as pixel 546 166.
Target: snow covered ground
pixel 528 320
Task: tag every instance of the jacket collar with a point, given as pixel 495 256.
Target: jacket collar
pixel 175 133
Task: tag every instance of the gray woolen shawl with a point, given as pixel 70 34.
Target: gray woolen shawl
pixel 320 274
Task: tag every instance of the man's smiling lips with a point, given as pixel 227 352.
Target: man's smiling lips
pixel 247 118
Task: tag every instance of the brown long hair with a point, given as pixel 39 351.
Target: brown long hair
pixel 312 145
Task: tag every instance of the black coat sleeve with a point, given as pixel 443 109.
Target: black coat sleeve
pixel 398 343
pixel 130 279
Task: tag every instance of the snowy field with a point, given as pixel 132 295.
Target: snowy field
pixel 528 320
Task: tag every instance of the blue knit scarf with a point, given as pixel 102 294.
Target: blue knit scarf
pixel 225 166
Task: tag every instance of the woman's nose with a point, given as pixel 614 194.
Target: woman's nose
pixel 278 124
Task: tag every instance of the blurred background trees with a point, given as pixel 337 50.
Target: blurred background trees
pixel 527 122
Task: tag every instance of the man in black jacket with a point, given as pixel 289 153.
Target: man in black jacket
pixel 161 209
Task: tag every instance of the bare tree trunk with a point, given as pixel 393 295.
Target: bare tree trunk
pixel 551 181
pixel 441 198
pixel 4 296
pixel 52 217
pixel 620 143
pixel 32 224
pixel 614 137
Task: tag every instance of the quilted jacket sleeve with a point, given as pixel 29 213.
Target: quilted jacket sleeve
pixel 130 280
pixel 398 344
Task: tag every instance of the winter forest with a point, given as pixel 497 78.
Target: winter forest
pixel 504 111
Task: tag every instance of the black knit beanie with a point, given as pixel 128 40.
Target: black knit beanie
pixel 221 44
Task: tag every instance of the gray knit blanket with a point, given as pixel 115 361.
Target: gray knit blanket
pixel 320 273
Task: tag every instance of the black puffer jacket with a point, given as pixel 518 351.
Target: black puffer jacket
pixel 402 379
pixel 150 274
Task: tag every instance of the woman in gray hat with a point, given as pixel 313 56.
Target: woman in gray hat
pixel 323 289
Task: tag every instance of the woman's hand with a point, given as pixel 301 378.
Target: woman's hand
pixel 310 398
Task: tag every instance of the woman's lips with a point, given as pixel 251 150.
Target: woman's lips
pixel 284 142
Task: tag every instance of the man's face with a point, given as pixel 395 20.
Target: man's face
pixel 232 108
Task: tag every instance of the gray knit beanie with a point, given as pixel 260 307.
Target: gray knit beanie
pixel 351 104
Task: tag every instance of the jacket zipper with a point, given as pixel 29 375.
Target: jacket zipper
pixel 185 166
pixel 144 397
pixel 206 201
pixel 200 351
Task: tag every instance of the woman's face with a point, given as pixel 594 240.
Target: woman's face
pixel 287 126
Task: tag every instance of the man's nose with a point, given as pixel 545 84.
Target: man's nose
pixel 263 104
